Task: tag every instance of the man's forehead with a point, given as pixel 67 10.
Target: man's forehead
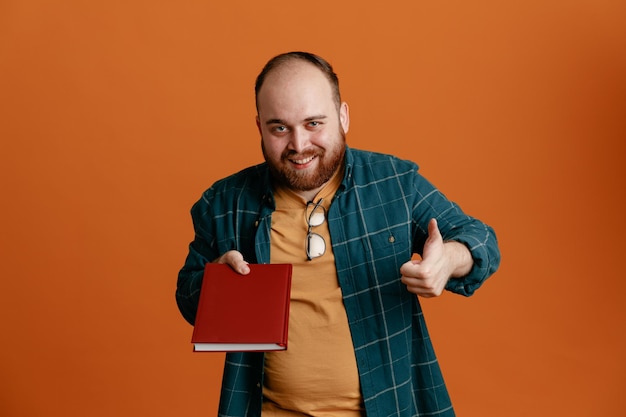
pixel 295 92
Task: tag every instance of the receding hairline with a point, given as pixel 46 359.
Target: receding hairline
pixel 285 59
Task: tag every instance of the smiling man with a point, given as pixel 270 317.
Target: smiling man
pixel 349 222
pixel 303 125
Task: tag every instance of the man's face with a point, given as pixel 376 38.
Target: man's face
pixel 302 130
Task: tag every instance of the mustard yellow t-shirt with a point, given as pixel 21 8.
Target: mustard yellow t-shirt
pixel 317 375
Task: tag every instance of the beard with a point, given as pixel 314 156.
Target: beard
pixel 328 159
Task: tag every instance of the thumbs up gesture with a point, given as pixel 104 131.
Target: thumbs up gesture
pixel 440 262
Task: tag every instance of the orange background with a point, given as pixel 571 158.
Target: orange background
pixel 115 116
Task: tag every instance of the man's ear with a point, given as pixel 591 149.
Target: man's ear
pixel 258 124
pixel 344 116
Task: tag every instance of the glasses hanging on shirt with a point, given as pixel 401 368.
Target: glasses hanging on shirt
pixel 315 215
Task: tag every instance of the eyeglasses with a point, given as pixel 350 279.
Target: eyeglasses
pixel 315 215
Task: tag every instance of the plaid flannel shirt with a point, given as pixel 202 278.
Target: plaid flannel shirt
pixel 377 220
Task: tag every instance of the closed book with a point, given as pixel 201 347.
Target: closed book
pixel 243 312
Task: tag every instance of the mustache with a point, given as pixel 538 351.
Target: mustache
pixel 291 154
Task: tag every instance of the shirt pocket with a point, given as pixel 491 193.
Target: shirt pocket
pixel 387 249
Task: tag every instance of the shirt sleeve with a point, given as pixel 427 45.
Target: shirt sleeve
pixel 454 224
pixel 201 251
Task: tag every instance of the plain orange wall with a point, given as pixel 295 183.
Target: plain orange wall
pixel 115 116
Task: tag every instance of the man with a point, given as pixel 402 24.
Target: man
pixel 349 221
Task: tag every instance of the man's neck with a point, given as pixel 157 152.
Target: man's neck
pixel 309 195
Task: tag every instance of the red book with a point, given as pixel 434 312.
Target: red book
pixel 243 312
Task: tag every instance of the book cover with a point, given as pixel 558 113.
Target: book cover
pixel 243 312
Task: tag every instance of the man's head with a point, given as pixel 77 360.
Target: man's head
pixel 302 120
pixel 317 61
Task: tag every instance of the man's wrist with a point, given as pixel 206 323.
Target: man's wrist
pixel 460 258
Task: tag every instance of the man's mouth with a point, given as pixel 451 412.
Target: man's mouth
pixel 302 161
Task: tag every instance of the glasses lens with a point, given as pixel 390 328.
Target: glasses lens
pixel 315 214
pixel 315 245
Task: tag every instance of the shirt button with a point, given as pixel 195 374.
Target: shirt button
pixel 392 239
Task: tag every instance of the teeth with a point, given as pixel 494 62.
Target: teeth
pixel 303 161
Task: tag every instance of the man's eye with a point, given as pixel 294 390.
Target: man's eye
pixel 279 129
pixel 314 124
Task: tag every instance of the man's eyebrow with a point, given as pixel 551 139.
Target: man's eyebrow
pixel 318 117
pixel 282 122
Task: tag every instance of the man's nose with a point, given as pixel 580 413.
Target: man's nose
pixel 300 140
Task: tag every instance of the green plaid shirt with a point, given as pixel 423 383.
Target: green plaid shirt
pixel 377 220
